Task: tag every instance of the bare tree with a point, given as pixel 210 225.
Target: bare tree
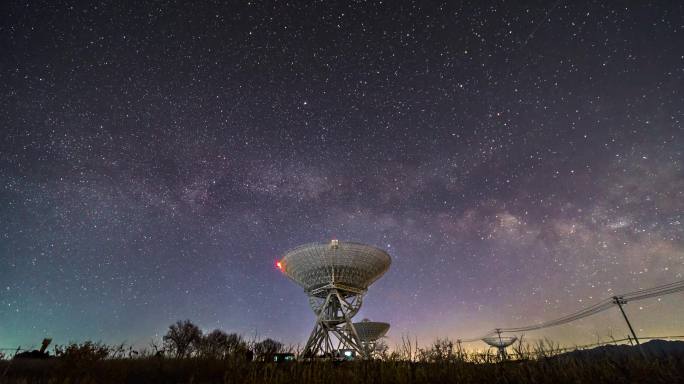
pixel 264 350
pixel 220 345
pixel 236 343
pixel 182 338
pixel 214 345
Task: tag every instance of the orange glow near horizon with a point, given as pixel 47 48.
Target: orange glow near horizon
pixel 279 265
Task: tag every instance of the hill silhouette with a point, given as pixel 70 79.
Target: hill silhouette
pixel 656 348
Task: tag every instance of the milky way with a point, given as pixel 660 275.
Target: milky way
pixel 518 162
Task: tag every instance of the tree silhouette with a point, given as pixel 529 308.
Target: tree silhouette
pixel 220 345
pixel 264 350
pixel 182 338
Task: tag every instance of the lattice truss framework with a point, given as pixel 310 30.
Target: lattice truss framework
pixel 334 330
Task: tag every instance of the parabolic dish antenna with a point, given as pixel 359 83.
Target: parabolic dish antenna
pixel 370 332
pixel 335 276
pixel 500 343
pixel 316 265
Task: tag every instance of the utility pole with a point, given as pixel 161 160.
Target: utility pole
pixel 620 301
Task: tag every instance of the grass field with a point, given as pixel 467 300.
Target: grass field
pixel 159 370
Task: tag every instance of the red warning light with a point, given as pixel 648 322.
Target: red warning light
pixel 279 265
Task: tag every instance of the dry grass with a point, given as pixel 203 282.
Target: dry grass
pixel 158 370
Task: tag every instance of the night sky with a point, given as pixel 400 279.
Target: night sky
pixel 517 161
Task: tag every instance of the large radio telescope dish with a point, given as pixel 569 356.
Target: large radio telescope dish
pixel 335 276
pixel 350 264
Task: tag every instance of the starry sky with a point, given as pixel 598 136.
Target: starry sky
pixel 518 160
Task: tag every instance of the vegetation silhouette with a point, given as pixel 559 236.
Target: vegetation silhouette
pixel 187 355
pixel 182 339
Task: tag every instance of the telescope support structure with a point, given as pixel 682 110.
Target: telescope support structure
pixel 334 305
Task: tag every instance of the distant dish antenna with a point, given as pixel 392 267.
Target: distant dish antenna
pixel 335 276
pixel 369 334
pixel 500 342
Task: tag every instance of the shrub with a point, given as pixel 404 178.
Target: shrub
pixel 87 351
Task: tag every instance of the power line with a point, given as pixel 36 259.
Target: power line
pixel 613 341
pixel 601 306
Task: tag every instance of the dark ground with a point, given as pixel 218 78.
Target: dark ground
pixel 152 370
